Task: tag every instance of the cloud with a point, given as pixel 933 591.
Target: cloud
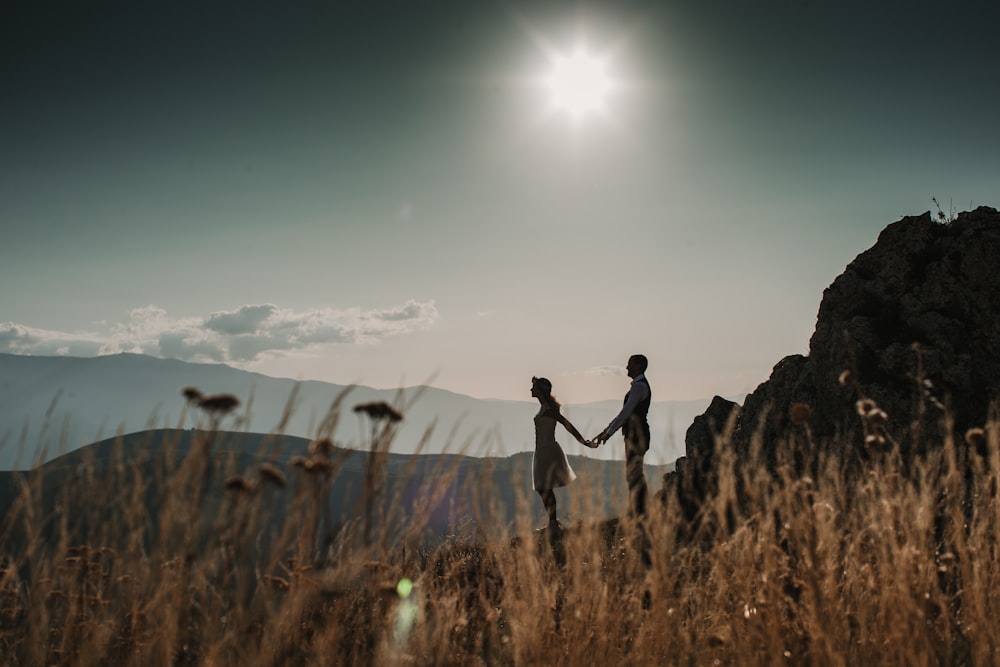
pixel 189 346
pixel 245 334
pixel 246 320
pixel 411 310
pixel 608 370
pixel 20 339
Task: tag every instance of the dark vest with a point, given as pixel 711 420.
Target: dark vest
pixel 636 427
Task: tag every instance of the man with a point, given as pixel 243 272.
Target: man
pixel 635 428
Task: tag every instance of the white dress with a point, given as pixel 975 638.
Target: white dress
pixel 549 467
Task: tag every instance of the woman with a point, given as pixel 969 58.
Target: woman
pixel 549 467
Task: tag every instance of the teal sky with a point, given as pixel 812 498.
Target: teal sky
pixel 380 193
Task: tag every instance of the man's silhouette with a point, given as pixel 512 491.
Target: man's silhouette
pixel 635 428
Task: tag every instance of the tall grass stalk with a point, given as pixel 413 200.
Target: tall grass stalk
pixel 188 566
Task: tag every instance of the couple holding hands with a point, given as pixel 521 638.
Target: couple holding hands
pixel 551 469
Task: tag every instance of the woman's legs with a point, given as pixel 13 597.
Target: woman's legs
pixel 549 500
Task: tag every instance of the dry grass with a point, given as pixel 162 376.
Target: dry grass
pixel 888 569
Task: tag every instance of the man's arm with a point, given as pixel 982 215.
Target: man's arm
pixel 638 393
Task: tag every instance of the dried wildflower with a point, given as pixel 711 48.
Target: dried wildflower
pixel 800 413
pixel 240 484
pixel 846 378
pixel 974 435
pixel 192 395
pixel 298 462
pixel 976 438
pixel 270 473
pixel 875 440
pixel 219 403
pixel 379 410
pixel 322 447
pixel 876 417
pixel 318 465
pixel 865 406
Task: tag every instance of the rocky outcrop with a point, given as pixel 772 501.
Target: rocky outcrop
pixel 912 324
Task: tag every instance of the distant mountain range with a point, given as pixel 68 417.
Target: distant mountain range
pixel 488 492
pixel 54 405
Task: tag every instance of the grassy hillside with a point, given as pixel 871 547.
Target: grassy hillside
pixel 886 569
pixel 149 457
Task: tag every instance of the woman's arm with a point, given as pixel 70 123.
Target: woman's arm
pixel 572 431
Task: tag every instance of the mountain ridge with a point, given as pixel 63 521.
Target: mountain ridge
pixel 53 404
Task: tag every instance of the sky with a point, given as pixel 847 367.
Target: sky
pixel 388 193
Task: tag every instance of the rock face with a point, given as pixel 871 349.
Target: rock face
pixel 915 320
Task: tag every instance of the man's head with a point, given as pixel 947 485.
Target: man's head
pixel 636 365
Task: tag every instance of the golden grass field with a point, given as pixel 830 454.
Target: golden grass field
pixel 885 570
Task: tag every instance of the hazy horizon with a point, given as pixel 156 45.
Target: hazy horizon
pixel 49 405
pixel 391 195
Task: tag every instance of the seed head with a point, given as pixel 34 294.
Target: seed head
pixel 866 406
pixel 314 465
pixel 976 438
pixel 875 440
pixel 379 410
pixel 192 395
pixel 876 417
pixel 270 474
pixel 974 435
pixel 240 484
pixel 321 447
pixel 318 465
pixel 219 403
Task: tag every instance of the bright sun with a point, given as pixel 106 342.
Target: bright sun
pixel 578 83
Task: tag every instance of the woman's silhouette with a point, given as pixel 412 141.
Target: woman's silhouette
pixel 549 468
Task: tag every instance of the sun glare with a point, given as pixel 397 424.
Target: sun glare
pixel 578 83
